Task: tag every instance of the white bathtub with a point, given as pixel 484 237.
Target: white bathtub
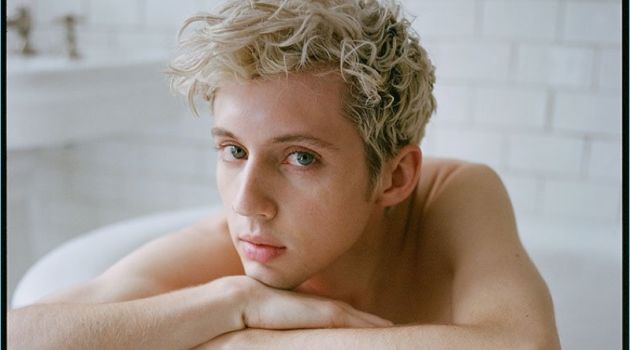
pixel 580 261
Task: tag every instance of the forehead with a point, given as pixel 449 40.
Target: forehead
pixel 302 102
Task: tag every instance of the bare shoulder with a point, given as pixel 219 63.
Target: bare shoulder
pixel 468 218
pixel 196 254
pixel 456 195
pixel 191 256
pixel 438 174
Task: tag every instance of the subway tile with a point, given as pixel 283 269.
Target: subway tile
pixel 476 146
pixel 90 41
pixel 210 5
pixel 115 13
pixel 428 143
pixel 167 129
pixel 554 65
pixel 590 22
pixel 545 154
pixel 183 126
pixel 442 18
pixel 520 19
pixel 605 160
pixel 170 15
pixel 587 113
pixel 609 71
pixel 50 180
pixel 510 108
pixel 581 199
pixel 471 61
pixel 150 193
pixel 50 12
pixel 171 159
pixel 194 194
pixel 49 40
pixel 111 156
pixel 20 169
pixel 453 103
pixel 207 165
pixel 96 186
pixel 144 40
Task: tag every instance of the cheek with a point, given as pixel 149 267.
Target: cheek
pixel 224 183
pixel 334 218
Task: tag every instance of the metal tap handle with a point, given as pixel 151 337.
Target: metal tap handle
pixel 70 22
pixel 23 24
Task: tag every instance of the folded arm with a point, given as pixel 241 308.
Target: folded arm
pixel 434 337
pixel 169 295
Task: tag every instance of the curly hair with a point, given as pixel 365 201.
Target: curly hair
pixel 388 75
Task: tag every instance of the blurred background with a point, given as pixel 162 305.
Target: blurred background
pixel 529 87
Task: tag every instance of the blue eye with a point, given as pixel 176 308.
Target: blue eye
pixel 236 152
pixel 303 158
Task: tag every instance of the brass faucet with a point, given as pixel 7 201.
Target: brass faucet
pixel 23 24
pixel 70 22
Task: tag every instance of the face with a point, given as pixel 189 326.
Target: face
pixel 292 176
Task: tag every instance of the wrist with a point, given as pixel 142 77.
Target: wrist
pixel 233 292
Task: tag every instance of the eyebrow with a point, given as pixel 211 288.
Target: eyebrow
pixel 288 138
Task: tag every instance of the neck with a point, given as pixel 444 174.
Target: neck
pixel 358 275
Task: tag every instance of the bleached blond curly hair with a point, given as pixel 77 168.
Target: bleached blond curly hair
pixel 388 75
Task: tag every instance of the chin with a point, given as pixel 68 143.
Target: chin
pixel 272 278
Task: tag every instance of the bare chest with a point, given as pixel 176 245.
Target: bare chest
pixel 421 295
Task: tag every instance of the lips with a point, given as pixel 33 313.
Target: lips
pixel 260 249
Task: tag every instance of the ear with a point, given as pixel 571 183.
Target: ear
pixel 400 176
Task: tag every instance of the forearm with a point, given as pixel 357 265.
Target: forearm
pixel 432 337
pixel 177 320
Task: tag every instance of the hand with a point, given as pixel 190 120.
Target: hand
pixel 270 308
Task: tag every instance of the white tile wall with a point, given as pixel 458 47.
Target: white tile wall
pixel 592 201
pixel 443 19
pixel 115 13
pixel 530 87
pixel 592 22
pixel 524 192
pixel 545 154
pixel 605 161
pixel 555 65
pixel 454 104
pixel 479 146
pixel 480 61
pixel 513 108
pixel 48 13
pixel 520 19
pixel 173 15
pixel 587 113
pixel 609 69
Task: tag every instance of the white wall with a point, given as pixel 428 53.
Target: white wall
pixel 530 87
pixel 533 88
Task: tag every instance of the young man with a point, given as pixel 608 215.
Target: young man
pixel 335 231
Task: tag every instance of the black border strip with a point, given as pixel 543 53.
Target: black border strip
pixel 624 132
pixel 3 128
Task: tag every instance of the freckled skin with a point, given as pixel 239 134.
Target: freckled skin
pixel 318 211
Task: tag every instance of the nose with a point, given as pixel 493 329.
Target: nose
pixel 253 189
